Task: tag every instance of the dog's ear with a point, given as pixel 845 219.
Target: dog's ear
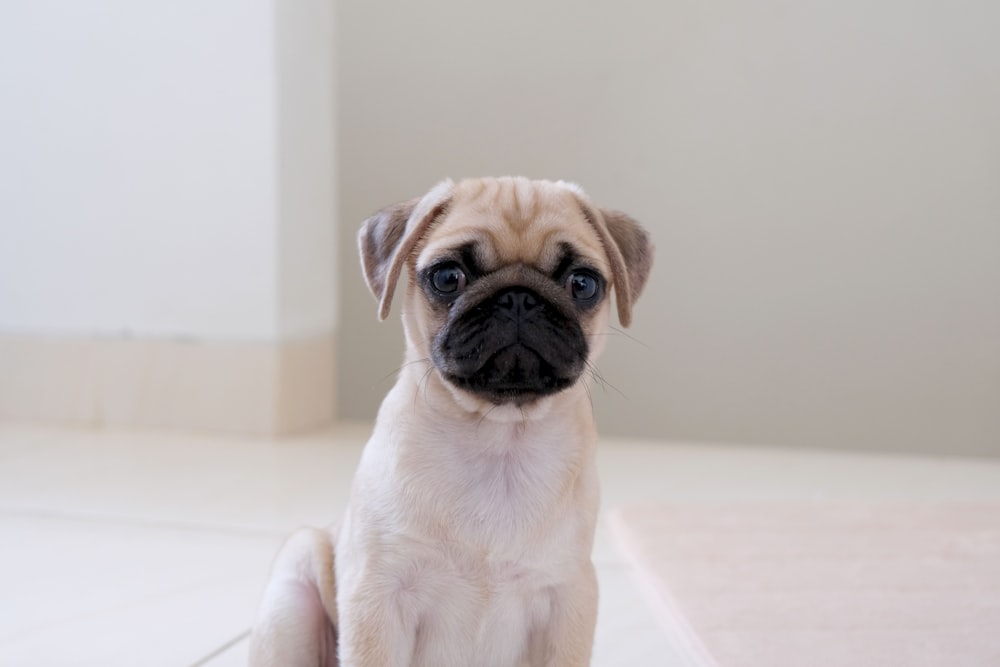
pixel 387 238
pixel 629 249
pixel 636 248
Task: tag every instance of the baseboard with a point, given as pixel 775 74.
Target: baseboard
pixel 240 387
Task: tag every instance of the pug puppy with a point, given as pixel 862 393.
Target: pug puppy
pixel 468 535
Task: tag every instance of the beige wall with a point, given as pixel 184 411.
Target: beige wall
pixel 822 179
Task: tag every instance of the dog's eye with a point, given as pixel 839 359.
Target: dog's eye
pixel 448 279
pixel 582 286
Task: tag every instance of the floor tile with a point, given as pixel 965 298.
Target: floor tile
pixel 90 592
pixel 628 635
pixel 210 481
pixel 235 653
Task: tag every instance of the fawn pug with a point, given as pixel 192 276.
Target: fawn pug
pixel 468 535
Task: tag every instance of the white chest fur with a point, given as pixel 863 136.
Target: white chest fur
pixel 464 534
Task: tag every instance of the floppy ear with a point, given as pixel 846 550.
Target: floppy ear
pixel 630 253
pixel 387 238
pixel 635 246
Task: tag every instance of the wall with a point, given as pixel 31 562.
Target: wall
pixel 166 212
pixel 306 84
pixel 821 179
pixel 124 157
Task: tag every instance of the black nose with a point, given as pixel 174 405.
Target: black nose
pixel 517 301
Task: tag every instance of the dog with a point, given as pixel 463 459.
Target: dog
pixel 468 536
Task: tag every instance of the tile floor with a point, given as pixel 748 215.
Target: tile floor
pixel 152 548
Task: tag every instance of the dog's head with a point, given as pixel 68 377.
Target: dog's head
pixel 509 281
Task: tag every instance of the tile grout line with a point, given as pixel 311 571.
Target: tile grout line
pixel 61 515
pixel 222 649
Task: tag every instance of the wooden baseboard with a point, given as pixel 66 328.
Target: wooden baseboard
pixel 240 387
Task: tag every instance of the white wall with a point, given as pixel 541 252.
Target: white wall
pixel 166 169
pixel 822 180
pixel 306 78
pixel 167 194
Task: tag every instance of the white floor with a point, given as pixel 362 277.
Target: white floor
pixel 151 549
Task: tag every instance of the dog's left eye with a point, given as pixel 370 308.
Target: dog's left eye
pixel 448 279
pixel 582 286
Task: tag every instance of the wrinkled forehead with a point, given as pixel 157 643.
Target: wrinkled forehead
pixel 514 221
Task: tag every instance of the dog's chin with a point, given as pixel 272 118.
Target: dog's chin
pixel 510 393
pixel 532 408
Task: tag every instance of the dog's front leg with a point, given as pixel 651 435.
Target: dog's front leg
pixel 373 631
pixel 296 625
pixel 568 638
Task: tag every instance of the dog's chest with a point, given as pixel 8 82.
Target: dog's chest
pixel 483 537
pixel 517 537
pixel 506 489
pixel 477 612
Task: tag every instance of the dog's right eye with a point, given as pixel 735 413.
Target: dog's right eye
pixel 582 285
pixel 448 279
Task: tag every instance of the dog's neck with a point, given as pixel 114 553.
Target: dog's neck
pixel 510 475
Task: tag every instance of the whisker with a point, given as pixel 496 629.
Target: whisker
pixel 590 396
pixel 596 374
pixel 597 377
pixel 425 360
pixel 422 386
pixel 630 337
pixel 483 418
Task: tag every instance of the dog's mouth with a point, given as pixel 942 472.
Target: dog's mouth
pixel 514 374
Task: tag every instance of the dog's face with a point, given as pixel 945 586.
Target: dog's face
pixel 509 281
